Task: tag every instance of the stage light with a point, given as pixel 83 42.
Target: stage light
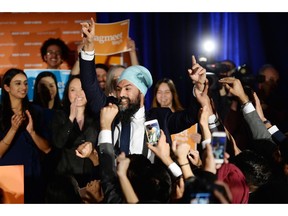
pixel 202 59
pixel 209 46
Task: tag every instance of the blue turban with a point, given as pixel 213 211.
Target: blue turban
pixel 138 76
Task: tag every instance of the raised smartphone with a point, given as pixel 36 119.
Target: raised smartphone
pixel 152 131
pixel 218 144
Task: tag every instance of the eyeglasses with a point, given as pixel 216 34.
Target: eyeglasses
pixel 51 52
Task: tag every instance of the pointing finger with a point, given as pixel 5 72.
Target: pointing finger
pixel 193 60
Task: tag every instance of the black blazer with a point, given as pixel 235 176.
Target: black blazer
pixel 109 180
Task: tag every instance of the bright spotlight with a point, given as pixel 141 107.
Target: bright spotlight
pixel 209 46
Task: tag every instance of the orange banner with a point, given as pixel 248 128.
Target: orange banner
pixel 12 183
pixel 186 136
pixel 111 38
pixel 22 35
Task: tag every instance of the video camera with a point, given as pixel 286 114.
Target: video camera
pixel 218 70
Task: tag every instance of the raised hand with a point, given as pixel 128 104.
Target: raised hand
pixel 197 74
pixel 203 120
pixel 203 97
pixel 122 164
pixel 209 160
pixel 181 151
pixel 84 150
pixel 258 107
pixel 235 87
pixel 88 33
pixel 194 158
pixel 162 149
pixel 131 45
pixel 107 115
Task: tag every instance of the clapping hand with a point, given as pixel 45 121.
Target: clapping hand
pixel 16 121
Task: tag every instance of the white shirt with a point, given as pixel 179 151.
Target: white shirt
pixel 136 136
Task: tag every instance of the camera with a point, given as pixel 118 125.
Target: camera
pixel 227 68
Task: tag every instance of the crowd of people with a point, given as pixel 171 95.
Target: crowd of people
pixel 91 146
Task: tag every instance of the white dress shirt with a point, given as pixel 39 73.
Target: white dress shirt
pixel 136 136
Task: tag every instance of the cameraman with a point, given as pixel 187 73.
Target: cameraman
pixel 217 92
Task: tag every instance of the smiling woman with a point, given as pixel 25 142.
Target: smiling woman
pixel 22 132
pixel 74 133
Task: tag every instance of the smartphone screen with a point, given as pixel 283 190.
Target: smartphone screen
pixel 200 198
pixel 218 144
pixel 152 131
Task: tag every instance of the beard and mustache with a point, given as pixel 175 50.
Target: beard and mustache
pixel 127 108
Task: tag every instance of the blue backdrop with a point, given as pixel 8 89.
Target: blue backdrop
pixel 166 41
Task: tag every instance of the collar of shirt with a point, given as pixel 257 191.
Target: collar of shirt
pixel 139 115
pixel 137 131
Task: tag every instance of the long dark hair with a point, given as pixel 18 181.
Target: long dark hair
pixel 43 97
pixel 176 104
pixel 6 109
pixel 65 100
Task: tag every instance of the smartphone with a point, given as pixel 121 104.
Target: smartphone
pixel 152 129
pixel 200 198
pixel 218 144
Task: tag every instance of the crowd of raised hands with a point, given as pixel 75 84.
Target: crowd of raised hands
pixel 184 175
pixel 200 177
pixel 179 174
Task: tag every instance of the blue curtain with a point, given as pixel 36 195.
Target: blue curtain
pixel 166 42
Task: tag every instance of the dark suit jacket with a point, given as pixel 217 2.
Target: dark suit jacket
pixel 66 137
pixel 169 122
pixel 109 179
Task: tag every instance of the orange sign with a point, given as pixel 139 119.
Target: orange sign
pixel 111 38
pixel 22 35
pixel 12 183
pixel 186 136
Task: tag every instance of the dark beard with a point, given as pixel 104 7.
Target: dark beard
pixel 125 115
